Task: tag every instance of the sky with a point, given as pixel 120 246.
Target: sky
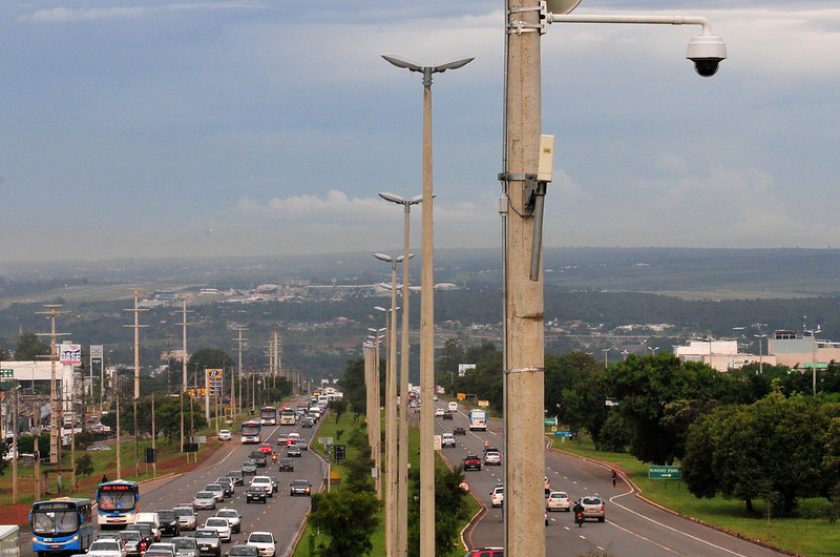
pixel 159 128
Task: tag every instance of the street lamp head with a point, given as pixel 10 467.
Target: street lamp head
pixel 706 51
pixel 561 6
pixel 452 65
pixel 383 257
pixel 379 308
pixel 402 63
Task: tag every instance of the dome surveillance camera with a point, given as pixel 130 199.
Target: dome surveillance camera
pixel 706 51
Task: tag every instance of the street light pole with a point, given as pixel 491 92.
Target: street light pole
pixel 427 311
pixel 760 354
pixel 136 328
pixel 814 333
pixel 376 434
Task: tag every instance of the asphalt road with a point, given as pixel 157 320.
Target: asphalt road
pixel 283 515
pixel 633 528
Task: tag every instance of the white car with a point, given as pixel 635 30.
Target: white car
pixel 233 517
pixel 438 412
pixel 264 483
pixel 221 525
pixel 497 496
pixel 106 548
pixel 224 435
pixel 447 440
pixel 493 458
pixel 453 406
pixel 558 501
pixel 264 542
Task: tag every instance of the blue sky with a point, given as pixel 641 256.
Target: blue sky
pixel 158 128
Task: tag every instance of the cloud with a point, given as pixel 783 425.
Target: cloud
pixel 70 15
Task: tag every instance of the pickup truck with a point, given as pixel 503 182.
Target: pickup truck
pixel 472 462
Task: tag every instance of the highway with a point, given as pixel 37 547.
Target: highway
pixel 282 515
pixel 633 527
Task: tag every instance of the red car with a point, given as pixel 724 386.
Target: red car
pixel 486 552
pixel 472 462
pixel 265 448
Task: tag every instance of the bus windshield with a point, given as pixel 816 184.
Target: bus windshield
pixel 55 522
pixel 114 500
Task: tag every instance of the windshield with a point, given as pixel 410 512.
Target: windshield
pixel 116 501
pixel 217 522
pixel 55 522
pixel 206 534
pixel 105 545
pixel 244 551
pixel 183 512
pixel 184 543
pixel 132 535
pixel 260 538
pixel 204 495
pixel 231 514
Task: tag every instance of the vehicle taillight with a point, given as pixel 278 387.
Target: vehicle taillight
pixel 602 507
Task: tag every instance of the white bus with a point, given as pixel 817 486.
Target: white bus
pixel 478 420
pixel 287 417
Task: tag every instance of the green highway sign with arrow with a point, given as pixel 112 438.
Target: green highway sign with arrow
pixel 656 472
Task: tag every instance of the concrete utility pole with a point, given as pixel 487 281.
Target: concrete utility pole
pixel 240 346
pixel 390 435
pixel 36 470
pixel 55 410
pixel 16 391
pixel 376 433
pixel 184 359
pixel 119 441
pixel 137 326
pixel 154 437
pixel 524 334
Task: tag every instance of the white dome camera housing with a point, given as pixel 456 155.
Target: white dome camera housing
pixel 706 51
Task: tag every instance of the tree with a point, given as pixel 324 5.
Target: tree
pixel 84 465
pixel 348 519
pixel 5 354
pixel 353 385
pixel 29 347
pixel 339 406
pixel 450 511
pixel 208 358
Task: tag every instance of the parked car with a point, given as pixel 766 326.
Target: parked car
pixel 497 496
pixel 169 525
pixel 558 501
pixel 593 507
pixel 185 547
pixel 133 542
pixel 472 462
pixel 287 465
pixel 233 517
pixel 221 525
pixel 255 494
pixel 249 468
pixel 204 501
pixel 237 476
pixel 208 542
pixel 243 550
pixel 493 458
pixel 459 431
pixel 186 517
pixel 300 487
pixel 264 542
pixel 106 548
pixel 224 435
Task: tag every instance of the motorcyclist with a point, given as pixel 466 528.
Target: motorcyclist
pixel 578 510
pixel 273 456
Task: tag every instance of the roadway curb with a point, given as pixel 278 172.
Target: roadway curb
pixel 637 491
pixel 474 518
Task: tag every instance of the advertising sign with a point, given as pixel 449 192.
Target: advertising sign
pixel 463 368
pixel 70 354
pixel 97 352
pixel 215 380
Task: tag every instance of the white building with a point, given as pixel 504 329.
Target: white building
pixel 721 355
pixel 39 374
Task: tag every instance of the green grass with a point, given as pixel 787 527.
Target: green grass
pixel 811 537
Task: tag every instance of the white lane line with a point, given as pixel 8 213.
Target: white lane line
pixel 641 537
pixel 671 528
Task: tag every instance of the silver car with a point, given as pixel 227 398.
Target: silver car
pixel 221 525
pixel 217 490
pixel 204 501
pixel 208 542
pixel 186 517
pixel 232 516
pixel 185 547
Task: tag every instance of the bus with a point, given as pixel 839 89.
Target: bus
pixel 268 415
pixel 117 503
pixel 63 525
pixel 288 417
pixel 249 432
pixel 478 420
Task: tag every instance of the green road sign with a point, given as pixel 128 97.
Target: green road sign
pixel 7 373
pixel 664 473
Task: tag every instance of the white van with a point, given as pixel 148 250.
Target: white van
pixel 453 406
pixel 150 518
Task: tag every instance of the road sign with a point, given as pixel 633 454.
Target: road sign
pixel 325 441
pixel 551 421
pixel 438 442
pixel 656 472
pixel 338 451
pixel 7 373
pixel 562 433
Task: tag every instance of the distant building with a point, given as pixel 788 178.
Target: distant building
pixel 793 350
pixel 721 355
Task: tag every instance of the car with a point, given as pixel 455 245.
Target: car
pixel 155 531
pixel 169 525
pixel 145 530
pixel 301 442
pixel 282 439
pixel 237 476
pixel 293 437
pixel 133 542
pixel 153 520
pixel 593 507
pixel 264 542
pixel 447 440
pixel 486 552
pixel 227 485
pixel 224 435
pixel 472 462
pixel 264 483
pixel 242 550
pixel 217 490
pixel 558 501
pixel 233 517
pixel 307 422
pixel 287 465
pixel 300 487
pixel 459 431
pixel 161 549
pixel 208 542
pixel 447 415
pixel 249 468
pixel 265 448
pixel 497 496
pixel 274 485
pixel 204 501
pixel 221 525
pixel 259 458
pixel 293 450
pixel 453 406
pixel 185 547
pixel 108 536
pixel 186 517
pixel 255 494
pixel 439 412
pixel 107 548
pixel 493 458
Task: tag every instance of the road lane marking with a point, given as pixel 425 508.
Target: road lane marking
pixel 641 537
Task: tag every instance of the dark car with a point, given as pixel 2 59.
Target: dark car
pixel 472 462
pixel 238 477
pixel 300 487
pixel 260 459
pixel 447 415
pixel 307 422
pixel 256 494
pixel 169 525
pixel 459 431
pixel 242 550
pixel 249 468
pixel 293 450
pixel 208 542
pixel 287 465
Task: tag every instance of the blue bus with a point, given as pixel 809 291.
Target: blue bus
pixel 117 503
pixel 63 525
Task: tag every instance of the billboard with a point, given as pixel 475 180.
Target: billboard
pixel 215 379
pixel 463 368
pixel 70 354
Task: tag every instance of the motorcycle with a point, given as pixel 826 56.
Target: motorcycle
pixel 273 457
pixel 579 519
